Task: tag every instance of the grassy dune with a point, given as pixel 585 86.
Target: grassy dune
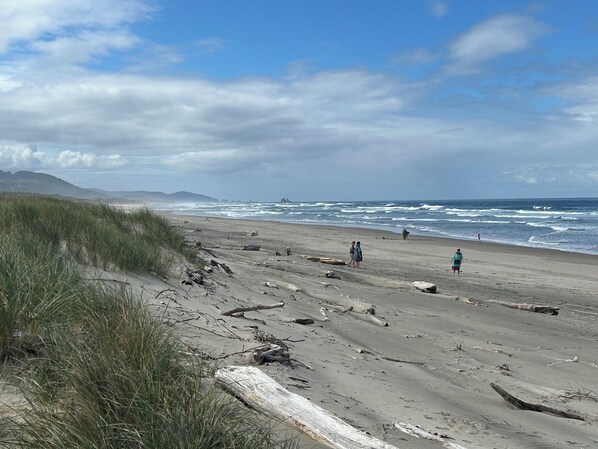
pixel 96 370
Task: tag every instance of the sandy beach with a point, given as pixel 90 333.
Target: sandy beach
pixel 432 366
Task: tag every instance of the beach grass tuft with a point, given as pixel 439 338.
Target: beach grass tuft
pixel 95 367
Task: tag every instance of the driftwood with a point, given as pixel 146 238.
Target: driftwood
pixel 190 277
pixel 417 432
pixel 251 247
pixel 533 407
pixel 252 308
pixel 327 260
pixel 303 321
pixel 528 307
pixel 426 287
pixel 374 319
pixel 332 275
pixel 323 312
pixel 276 353
pixel 270 284
pixel 223 267
pixel 392 359
pixel 292 287
pixel 262 393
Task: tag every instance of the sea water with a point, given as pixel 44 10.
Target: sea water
pixel 564 224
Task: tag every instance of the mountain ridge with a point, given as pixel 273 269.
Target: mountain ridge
pixel 45 184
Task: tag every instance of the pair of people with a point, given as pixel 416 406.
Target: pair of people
pixel 355 254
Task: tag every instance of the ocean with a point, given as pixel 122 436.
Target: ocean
pixel 564 224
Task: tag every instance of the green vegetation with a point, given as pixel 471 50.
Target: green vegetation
pixel 96 369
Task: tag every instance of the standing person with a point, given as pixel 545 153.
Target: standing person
pixel 456 261
pixel 357 255
pixel 351 253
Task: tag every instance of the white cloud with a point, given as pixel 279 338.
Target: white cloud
pixel 583 96
pixel 21 156
pixel 497 36
pixel 77 159
pixel 57 27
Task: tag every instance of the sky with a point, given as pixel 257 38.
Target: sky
pixel 310 100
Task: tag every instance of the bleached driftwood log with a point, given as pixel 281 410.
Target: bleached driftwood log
pixel 529 307
pixel 426 287
pixel 291 287
pixel 327 260
pixel 252 308
pixel 533 407
pixel 262 393
pixel 415 431
pixel 270 284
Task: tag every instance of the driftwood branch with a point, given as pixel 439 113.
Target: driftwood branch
pixel 392 359
pixel 528 307
pixel 262 393
pixel 418 432
pixel 533 407
pixel 252 308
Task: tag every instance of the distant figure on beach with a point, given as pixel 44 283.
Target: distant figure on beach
pixel 351 252
pixel 479 236
pixel 357 255
pixel 405 233
pixel 456 261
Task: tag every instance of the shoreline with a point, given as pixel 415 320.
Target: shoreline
pixel 392 235
pixel 461 338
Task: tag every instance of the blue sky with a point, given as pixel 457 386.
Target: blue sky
pixel 310 100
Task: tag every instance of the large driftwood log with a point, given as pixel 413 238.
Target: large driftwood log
pixel 252 308
pixel 426 287
pixel 529 307
pixel 262 393
pixel 327 260
pixel 533 407
pixel 417 432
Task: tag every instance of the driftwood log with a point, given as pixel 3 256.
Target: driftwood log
pixel 418 432
pixel 251 247
pixel 275 354
pixel 529 307
pixel 328 260
pixel 262 393
pixel 223 267
pixel 533 407
pixel 426 287
pixel 252 308
pixel 303 321
pixel 190 277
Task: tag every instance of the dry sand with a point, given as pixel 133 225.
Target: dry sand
pixel 460 348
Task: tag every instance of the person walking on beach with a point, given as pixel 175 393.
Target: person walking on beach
pixel 357 255
pixel 456 261
pixel 351 253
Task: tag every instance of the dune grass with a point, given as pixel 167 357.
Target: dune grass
pixel 96 369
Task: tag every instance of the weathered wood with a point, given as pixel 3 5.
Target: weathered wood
pixel 190 277
pixel 252 308
pixel 291 287
pixel 374 319
pixel 251 247
pixel 262 393
pixel 327 260
pixel 332 275
pixel 276 353
pixel 426 287
pixel 392 359
pixel 270 284
pixel 533 407
pixel 302 321
pixel 417 432
pixel 528 307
